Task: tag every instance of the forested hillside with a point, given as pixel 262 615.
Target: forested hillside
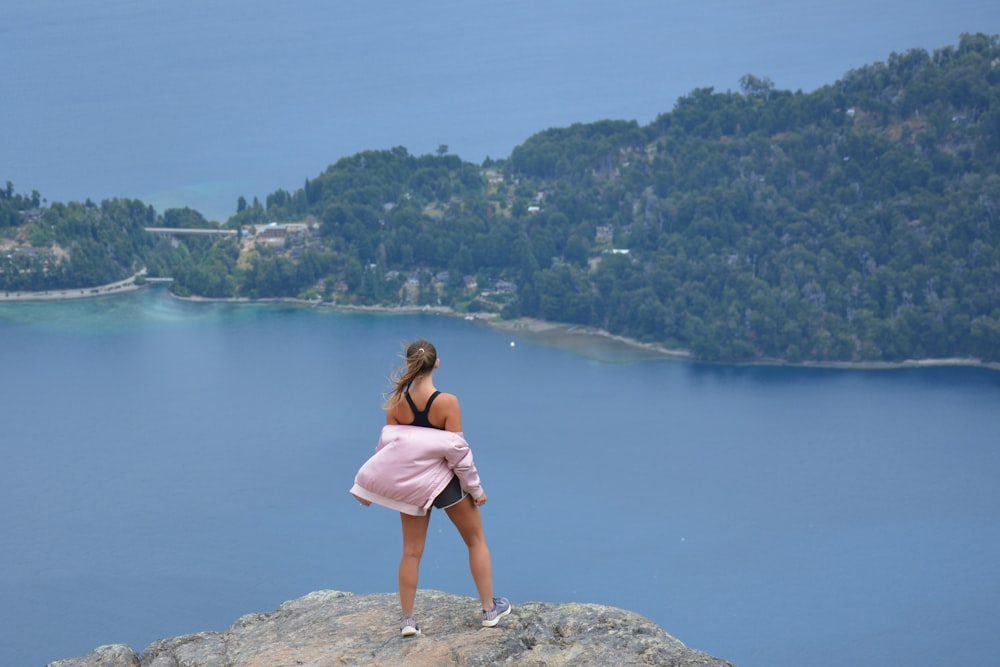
pixel 64 246
pixel 857 222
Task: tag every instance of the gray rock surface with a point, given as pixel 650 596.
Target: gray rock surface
pixel 329 628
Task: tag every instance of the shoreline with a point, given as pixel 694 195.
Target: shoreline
pixel 127 285
pixel 542 330
pixel 541 326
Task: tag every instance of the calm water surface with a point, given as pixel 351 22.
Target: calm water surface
pixel 193 103
pixel 168 467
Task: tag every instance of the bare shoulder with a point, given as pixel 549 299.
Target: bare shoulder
pixel 447 399
pixel 447 405
pixel 393 413
pixel 447 411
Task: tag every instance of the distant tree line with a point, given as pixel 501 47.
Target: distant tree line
pixel 858 222
pixel 73 245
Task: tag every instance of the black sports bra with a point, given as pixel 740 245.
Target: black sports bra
pixel 420 417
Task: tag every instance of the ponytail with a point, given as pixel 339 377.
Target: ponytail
pixel 420 357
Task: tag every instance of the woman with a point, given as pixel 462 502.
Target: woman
pixel 423 461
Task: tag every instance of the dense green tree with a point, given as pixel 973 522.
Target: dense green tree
pixel 857 222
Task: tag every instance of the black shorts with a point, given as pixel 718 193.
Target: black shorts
pixel 452 494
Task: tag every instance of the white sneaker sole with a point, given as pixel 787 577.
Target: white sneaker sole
pixel 491 624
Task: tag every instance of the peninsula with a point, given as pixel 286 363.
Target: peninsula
pixel 856 224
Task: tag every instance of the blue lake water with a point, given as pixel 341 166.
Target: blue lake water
pixel 193 103
pixel 166 467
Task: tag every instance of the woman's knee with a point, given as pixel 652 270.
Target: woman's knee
pixel 414 536
pixel 411 550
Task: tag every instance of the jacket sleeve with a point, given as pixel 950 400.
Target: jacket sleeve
pixel 459 456
pixel 382 440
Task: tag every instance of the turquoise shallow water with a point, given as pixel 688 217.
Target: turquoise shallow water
pixel 169 466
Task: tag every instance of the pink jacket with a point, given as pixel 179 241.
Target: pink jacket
pixel 412 465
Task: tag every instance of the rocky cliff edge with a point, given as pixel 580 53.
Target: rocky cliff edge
pixel 328 628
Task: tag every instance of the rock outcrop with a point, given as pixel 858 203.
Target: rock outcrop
pixel 330 628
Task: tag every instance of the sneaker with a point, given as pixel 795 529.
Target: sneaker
pixel 501 607
pixel 408 626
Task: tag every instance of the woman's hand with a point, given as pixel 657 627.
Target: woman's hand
pixel 481 500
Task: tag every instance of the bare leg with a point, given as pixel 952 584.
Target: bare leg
pixel 414 538
pixel 466 517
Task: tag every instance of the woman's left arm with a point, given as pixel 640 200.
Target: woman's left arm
pixel 450 411
pixel 459 456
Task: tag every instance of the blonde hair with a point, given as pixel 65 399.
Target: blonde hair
pixel 420 357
